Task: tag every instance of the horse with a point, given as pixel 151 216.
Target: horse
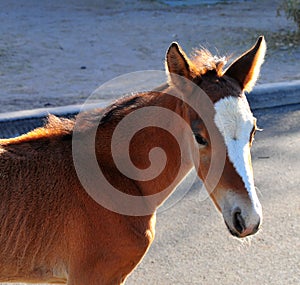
pixel 52 229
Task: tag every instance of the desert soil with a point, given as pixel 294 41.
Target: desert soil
pixel 55 53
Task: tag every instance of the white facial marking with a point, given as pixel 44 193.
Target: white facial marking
pixel 235 121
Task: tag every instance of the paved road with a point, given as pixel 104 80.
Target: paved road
pixel 192 245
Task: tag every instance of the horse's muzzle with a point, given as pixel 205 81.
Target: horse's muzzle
pixel 238 226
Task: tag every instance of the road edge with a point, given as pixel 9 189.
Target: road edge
pixel 263 96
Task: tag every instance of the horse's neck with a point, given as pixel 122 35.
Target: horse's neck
pixel 174 141
pixel 151 154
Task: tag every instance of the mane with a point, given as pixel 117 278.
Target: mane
pixel 54 127
pixel 121 105
pixel 203 61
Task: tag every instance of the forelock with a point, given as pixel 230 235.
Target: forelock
pixel 204 61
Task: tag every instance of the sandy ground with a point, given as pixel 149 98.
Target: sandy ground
pixel 55 53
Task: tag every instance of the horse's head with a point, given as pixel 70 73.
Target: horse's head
pixel 234 194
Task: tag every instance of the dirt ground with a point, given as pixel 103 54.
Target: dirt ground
pixel 55 53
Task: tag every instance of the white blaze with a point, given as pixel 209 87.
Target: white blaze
pixel 235 121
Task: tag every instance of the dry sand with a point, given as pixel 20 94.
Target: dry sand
pixel 55 53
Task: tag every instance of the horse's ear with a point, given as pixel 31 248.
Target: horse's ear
pixel 177 63
pixel 246 68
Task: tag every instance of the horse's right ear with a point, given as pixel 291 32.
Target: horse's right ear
pixel 246 68
pixel 177 63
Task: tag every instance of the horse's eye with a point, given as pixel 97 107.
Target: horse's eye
pixel 200 140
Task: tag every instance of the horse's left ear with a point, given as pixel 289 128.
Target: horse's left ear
pixel 246 68
pixel 178 67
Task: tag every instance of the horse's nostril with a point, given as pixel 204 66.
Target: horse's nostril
pixel 238 221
